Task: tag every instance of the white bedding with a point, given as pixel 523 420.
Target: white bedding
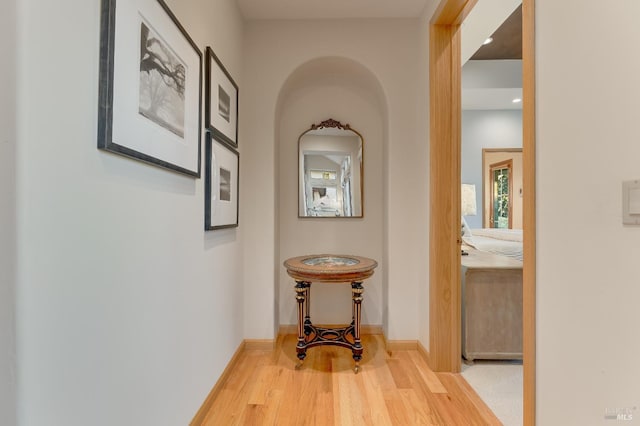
pixel 505 242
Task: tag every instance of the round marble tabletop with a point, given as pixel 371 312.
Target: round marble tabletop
pixel 330 268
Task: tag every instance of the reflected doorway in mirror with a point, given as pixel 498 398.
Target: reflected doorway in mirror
pixel 330 162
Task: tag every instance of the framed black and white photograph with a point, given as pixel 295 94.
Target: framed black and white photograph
pixel 221 185
pixel 221 100
pixel 150 86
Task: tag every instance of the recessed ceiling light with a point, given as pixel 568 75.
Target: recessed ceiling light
pixel 487 41
pixel 516 100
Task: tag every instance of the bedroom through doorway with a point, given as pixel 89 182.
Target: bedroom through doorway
pixel 491 161
pixel 449 173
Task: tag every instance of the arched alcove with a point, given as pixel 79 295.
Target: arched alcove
pixel 345 90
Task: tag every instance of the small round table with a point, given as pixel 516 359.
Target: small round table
pixel 329 268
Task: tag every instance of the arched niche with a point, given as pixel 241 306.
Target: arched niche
pixel 345 90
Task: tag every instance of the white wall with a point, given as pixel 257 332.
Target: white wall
pixel 273 50
pixel 486 129
pixel 127 311
pixel 7 213
pixel 588 292
pixel 492 74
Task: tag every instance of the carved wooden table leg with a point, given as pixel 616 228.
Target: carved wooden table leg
pixel 357 290
pixel 301 293
pixel 307 309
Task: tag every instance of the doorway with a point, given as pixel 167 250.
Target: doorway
pixel 498 199
pixel 445 152
pixel 501 195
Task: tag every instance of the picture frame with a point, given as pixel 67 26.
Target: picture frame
pixel 150 86
pixel 221 185
pixel 221 100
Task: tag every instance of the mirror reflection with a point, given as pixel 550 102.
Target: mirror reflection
pixel 330 168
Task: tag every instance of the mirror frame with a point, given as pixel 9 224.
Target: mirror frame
pixel 333 124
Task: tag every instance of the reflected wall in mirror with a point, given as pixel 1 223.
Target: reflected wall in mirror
pixel 330 163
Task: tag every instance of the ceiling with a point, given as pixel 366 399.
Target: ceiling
pixel 330 9
pixel 507 40
pixel 492 78
pixel 507 33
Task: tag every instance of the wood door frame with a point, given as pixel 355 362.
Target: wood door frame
pixel 445 152
pixel 505 164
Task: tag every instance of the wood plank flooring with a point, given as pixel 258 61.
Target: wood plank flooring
pixel 398 389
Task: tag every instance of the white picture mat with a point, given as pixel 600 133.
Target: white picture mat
pixel 131 129
pixel 223 212
pixel 219 78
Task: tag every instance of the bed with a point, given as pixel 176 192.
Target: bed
pixel 492 294
pixel 503 242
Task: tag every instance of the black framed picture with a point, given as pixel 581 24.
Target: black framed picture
pixel 221 185
pixel 221 100
pixel 150 86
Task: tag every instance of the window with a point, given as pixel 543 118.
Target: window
pixel 501 193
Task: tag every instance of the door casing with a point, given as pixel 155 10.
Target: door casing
pixel 444 227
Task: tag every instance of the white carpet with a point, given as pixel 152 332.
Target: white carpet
pixel 499 384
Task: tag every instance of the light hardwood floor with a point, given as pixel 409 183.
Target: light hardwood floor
pixel 399 389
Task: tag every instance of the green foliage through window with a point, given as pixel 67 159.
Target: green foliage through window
pixel 500 180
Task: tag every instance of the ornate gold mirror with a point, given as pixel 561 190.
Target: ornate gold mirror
pixel 330 171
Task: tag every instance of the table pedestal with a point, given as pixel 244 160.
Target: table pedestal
pixel 309 335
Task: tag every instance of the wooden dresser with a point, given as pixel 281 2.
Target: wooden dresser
pixel 491 306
